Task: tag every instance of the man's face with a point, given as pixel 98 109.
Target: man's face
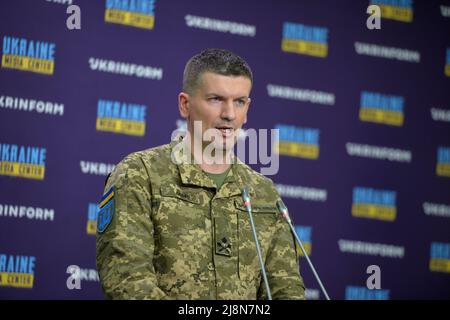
pixel 221 104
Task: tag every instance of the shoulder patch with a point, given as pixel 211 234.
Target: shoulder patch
pixel 106 210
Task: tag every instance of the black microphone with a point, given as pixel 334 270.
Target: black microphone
pixel 248 205
pixel 284 212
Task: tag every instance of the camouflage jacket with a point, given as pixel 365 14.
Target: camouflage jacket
pixel 172 235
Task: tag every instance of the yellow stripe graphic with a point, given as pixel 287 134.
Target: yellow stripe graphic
pixel 396 13
pixel 28 64
pixel 16 280
pixel 393 118
pixel 316 49
pixel 134 19
pixel 301 150
pixel 105 201
pixel 22 170
pixel 134 128
pixel 307 247
pixel 379 212
pixel 440 265
pixel 447 69
pixel 443 169
pixel 91 227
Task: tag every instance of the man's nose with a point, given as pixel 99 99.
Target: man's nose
pixel 228 112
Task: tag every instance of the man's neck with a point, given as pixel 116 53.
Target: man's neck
pixel 213 164
pixel 210 164
pixel 215 168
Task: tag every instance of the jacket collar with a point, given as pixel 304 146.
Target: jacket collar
pixel 192 174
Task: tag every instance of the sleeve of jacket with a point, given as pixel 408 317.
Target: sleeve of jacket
pixel 282 266
pixel 125 248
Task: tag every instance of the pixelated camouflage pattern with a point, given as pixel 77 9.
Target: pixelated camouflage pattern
pixel 174 236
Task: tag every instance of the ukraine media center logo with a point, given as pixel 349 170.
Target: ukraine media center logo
pixel 447 63
pixel 374 204
pixel 137 13
pixel 17 271
pixel 91 226
pixel 28 55
pixel 304 234
pixel 121 117
pixel 440 257
pixel 380 108
pixel 443 162
pixel 22 161
pixel 297 141
pixel 302 39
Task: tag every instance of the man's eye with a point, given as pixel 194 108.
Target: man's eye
pixel 214 99
pixel 240 102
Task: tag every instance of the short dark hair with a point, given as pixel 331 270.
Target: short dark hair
pixel 218 61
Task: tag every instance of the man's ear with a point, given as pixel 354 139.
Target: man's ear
pixel 248 106
pixel 183 104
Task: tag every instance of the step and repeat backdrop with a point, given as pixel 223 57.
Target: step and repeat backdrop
pixel 362 108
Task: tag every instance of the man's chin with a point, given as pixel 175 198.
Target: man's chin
pixel 223 146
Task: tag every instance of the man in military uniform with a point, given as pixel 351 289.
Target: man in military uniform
pixel 173 228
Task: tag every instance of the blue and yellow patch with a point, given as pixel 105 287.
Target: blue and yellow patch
pixel 106 211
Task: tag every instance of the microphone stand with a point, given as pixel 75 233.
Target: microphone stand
pixel 284 212
pixel 248 205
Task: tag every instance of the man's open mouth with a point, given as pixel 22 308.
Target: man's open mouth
pixel 225 131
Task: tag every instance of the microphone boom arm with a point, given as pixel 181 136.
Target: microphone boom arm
pixel 283 210
pixel 247 204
